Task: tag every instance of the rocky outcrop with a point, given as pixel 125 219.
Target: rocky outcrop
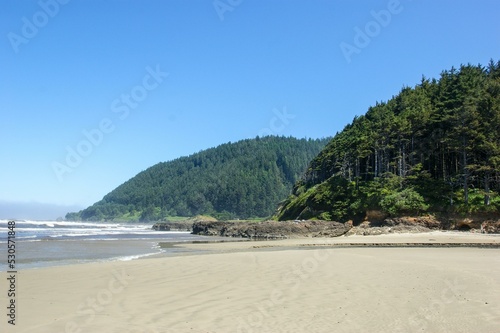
pixel 473 223
pixel 378 224
pixel 429 222
pixel 185 225
pixel 271 229
pixel 173 226
pixel 371 231
pixel 491 227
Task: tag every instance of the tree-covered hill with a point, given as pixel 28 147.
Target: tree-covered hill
pixel 234 180
pixel 434 147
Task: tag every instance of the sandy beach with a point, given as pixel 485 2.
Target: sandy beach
pixel 297 285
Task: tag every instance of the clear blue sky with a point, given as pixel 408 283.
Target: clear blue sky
pixel 72 66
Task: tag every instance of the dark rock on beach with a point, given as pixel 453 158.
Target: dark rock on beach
pixel 173 226
pixel 271 229
pixel 376 225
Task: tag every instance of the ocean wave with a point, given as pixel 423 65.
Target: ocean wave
pixel 134 257
pixel 61 231
pixel 58 224
pixel 26 237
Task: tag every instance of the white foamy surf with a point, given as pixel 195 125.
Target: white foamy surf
pixel 51 243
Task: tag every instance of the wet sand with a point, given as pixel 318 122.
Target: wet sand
pixel 298 285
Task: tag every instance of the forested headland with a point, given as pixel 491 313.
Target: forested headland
pixel 434 147
pixel 246 179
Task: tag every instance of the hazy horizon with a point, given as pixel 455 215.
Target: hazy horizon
pixel 12 210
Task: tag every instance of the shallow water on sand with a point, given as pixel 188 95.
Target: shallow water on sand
pixel 52 243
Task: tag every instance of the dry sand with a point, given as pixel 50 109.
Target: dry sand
pixel 277 286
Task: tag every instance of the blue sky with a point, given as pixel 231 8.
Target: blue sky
pixel 150 81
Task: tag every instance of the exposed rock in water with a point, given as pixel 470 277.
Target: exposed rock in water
pixel 271 229
pixel 173 226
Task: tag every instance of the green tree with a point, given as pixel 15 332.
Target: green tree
pixel 427 147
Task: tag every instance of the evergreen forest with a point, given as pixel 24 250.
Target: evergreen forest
pixel 246 179
pixel 434 147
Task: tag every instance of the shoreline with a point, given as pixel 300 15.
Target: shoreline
pixel 64 251
pixel 299 285
pixel 218 244
pixel 397 240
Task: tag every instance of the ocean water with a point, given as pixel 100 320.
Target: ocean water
pixel 53 243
